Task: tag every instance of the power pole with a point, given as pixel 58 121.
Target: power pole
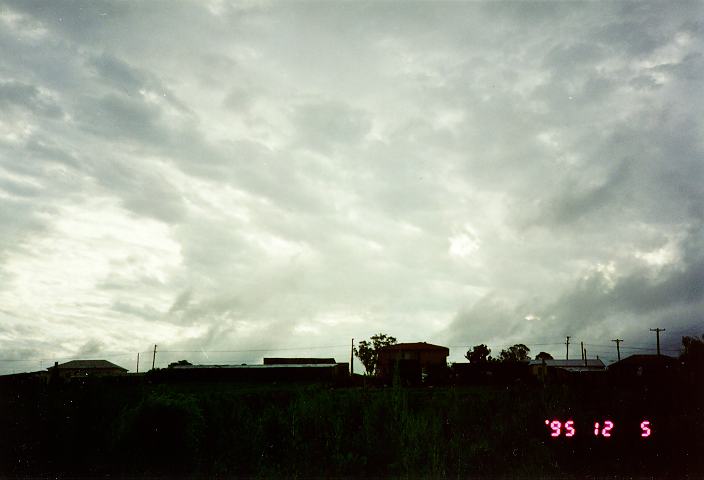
pixel 581 347
pixel 567 357
pixel 657 332
pixel 352 358
pixel 618 348
pixel 154 357
pixel 137 362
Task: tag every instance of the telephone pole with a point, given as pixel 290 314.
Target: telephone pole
pixel 352 359
pixel 657 332
pixel 618 348
pixel 137 362
pixel 567 356
pixel 581 347
pixel 153 357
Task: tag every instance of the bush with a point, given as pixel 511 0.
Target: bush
pixel 161 434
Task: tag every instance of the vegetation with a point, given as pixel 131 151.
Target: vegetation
pixel 179 363
pixel 543 356
pixel 368 351
pixel 693 353
pixel 317 431
pixel 516 353
pixel 112 427
pixel 478 354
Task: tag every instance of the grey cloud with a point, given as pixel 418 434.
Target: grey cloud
pixel 18 94
pixel 91 348
pixel 122 117
pixel 312 163
pixel 326 124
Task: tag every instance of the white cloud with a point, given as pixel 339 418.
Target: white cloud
pixel 223 177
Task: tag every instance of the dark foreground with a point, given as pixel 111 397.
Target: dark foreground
pixel 103 429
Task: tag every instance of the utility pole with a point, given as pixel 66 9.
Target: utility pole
pixel 567 357
pixel 154 357
pixel 657 332
pixel 352 358
pixel 137 362
pixel 618 348
pixel 581 347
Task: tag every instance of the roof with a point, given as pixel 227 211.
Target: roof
pixel 297 361
pixel 642 360
pixel 415 346
pixel 289 365
pixel 590 363
pixel 88 365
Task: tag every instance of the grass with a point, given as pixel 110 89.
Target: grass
pixel 294 431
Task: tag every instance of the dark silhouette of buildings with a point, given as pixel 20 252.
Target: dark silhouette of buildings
pixel 85 368
pixel 645 368
pixel 298 361
pixel 412 362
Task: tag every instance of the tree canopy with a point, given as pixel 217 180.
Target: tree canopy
pixel 516 353
pixel 478 354
pixel 180 362
pixel 543 356
pixel 368 351
pixel 693 353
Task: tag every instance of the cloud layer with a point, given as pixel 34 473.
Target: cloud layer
pixel 233 181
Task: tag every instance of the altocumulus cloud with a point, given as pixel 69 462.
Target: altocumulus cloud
pixel 270 175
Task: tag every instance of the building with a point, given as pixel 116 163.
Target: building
pixel 560 369
pixel 273 372
pixel 644 368
pixel 85 368
pixel 414 362
pixel 298 361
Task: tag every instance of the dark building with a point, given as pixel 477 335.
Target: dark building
pixel 413 362
pixel 278 372
pixel 86 368
pixel 566 369
pixel 645 368
pixel 298 361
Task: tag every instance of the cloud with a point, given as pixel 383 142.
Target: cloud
pixel 280 176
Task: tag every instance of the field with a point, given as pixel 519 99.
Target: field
pixel 293 430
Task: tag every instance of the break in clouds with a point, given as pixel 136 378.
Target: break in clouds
pixel 279 175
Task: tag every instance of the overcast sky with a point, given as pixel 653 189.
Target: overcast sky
pixel 279 176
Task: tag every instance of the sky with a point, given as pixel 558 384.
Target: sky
pixel 237 180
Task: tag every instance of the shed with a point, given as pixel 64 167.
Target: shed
pixel 413 360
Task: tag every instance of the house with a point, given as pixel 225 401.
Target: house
pixel 644 368
pixel 298 361
pixel 412 361
pixel 273 372
pixel 85 368
pixel 561 369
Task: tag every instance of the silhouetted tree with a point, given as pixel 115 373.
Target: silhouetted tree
pixel 368 352
pixel 543 356
pixel 693 354
pixel 180 362
pixel 516 353
pixel 478 354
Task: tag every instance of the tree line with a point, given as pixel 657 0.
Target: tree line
pixel 368 352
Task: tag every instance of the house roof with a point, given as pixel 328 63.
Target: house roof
pixel 297 361
pixel 259 367
pixel 415 346
pixel 590 363
pixel 643 360
pixel 88 365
